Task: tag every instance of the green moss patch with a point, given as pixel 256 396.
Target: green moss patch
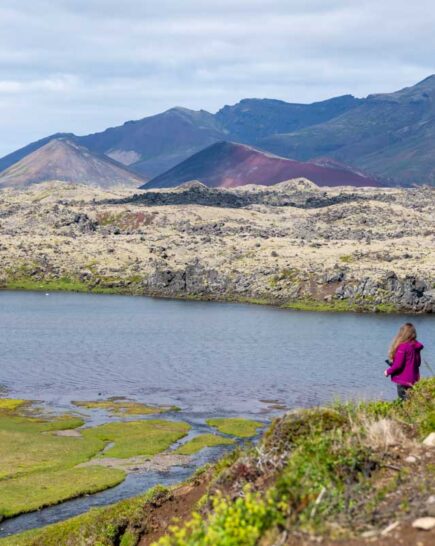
pixel 235 426
pixel 62 284
pixel 22 415
pixel 32 492
pixel 8 405
pixel 134 438
pixel 202 441
pixel 39 467
pixel 27 452
pixel 124 407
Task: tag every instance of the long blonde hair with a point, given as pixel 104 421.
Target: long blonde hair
pixel 407 332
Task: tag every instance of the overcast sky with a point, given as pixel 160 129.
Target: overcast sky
pixel 83 65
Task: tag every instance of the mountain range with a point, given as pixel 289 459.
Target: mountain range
pixel 384 138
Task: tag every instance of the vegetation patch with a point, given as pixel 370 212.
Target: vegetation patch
pixel 116 525
pixel 47 284
pixel 134 438
pixel 34 491
pixel 39 468
pixel 315 305
pixel 235 426
pixel 124 407
pixel 418 411
pixel 325 478
pixel 10 404
pixel 25 451
pixel 125 220
pixel 317 473
pixel 202 441
pixel 341 306
pixel 23 415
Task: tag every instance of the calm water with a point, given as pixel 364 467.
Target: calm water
pixel 207 358
pixel 204 357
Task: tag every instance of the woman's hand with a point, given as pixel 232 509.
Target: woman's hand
pixel 386 373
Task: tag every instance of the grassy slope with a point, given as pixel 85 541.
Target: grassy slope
pixel 330 463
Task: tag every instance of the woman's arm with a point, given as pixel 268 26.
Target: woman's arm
pixel 398 362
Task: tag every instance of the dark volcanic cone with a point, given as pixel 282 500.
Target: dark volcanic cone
pixel 227 164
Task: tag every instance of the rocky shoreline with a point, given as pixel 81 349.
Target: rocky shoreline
pixel 293 244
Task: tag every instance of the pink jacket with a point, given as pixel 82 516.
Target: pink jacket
pixel 405 367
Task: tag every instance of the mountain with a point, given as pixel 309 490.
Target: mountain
pixel 148 146
pixel 16 156
pixel 154 144
pixel 228 164
pixel 64 160
pixel 250 120
pixel 391 135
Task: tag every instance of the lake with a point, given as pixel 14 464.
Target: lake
pixel 210 359
pixel 203 357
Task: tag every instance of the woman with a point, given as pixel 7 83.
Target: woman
pixel 405 357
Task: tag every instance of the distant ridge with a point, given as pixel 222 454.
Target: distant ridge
pixel 390 136
pixel 64 160
pixel 228 164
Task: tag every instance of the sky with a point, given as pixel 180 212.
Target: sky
pixel 84 65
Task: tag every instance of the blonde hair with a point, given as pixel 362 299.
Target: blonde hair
pixel 407 332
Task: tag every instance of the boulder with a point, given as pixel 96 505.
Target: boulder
pixel 425 524
pixel 430 440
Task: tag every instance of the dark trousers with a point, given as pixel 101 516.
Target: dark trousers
pixel 403 392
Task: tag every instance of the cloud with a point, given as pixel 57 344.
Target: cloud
pixel 83 65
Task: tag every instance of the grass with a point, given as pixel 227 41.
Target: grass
pixel 235 426
pixel 116 525
pixel 202 441
pixel 324 476
pixel 10 404
pixel 22 415
pixel 28 493
pixel 134 438
pixel 341 306
pixel 18 423
pixel 124 407
pixel 127 286
pixel 26 445
pixel 27 452
pixel 321 306
pixel 39 468
pixel 63 284
pixel 418 411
